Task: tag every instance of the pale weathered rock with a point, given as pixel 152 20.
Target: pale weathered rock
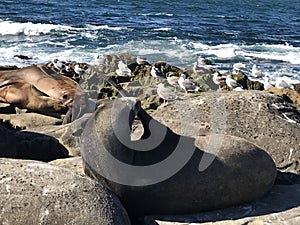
pixel 72 163
pixel 33 192
pixel 280 206
pixel 261 118
pixel 29 120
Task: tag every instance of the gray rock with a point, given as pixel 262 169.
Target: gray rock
pixel 72 163
pixel 261 118
pixel 29 120
pixel 33 192
pixel 280 206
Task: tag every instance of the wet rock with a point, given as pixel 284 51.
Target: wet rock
pixel 32 192
pixel 23 57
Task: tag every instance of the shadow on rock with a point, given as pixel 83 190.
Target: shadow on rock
pixel 29 145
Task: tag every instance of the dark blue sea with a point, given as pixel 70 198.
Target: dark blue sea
pixel 261 32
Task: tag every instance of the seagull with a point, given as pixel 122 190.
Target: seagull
pixel 156 73
pixel 59 65
pixel 256 72
pixel 202 66
pixel 165 93
pixel 218 79
pixel 283 82
pixel 79 70
pixel 267 84
pixel 123 69
pixel 231 83
pixel 238 67
pixel 141 61
pixel 186 84
pixel 173 80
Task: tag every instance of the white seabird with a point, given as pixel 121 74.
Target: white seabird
pixel 267 83
pixel 141 61
pixel 59 65
pixel 218 78
pixel 165 93
pixel 256 72
pixel 284 82
pixel 186 84
pixel 238 67
pixel 156 73
pixel 79 70
pixel 202 66
pixel 173 80
pixel 231 83
pixel 123 69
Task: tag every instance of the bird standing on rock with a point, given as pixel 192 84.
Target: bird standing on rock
pixel 233 84
pixel 59 65
pixel 202 66
pixel 256 73
pixel 173 80
pixel 267 84
pixel 165 93
pixel 219 79
pixel 123 69
pixel 79 70
pixel 238 67
pixel 156 73
pixel 141 61
pixel 186 84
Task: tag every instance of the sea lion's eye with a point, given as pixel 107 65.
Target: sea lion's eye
pixel 65 96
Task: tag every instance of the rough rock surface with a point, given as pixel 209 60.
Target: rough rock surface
pixel 72 163
pixel 261 118
pixel 37 193
pixel 29 120
pixel 281 206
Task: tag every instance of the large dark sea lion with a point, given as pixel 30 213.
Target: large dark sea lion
pixel 159 174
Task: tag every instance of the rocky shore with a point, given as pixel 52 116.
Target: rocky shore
pixel 44 181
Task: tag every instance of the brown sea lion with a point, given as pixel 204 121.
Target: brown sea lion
pixel 25 95
pixel 160 173
pixel 60 88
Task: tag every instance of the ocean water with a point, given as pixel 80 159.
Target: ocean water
pixel 261 32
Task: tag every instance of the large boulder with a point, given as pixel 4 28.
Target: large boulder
pixel 264 119
pixel 33 192
pixel 167 173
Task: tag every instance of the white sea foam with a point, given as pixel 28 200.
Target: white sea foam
pixel 29 28
pixel 163 29
pixel 34 29
pixel 276 60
